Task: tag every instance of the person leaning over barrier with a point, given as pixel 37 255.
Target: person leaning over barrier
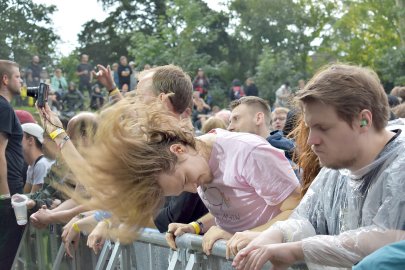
pixel 252 115
pixel 249 184
pixel 356 202
pixel 169 84
pixel 152 155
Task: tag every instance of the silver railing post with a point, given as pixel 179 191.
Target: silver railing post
pixel 114 256
pixel 105 252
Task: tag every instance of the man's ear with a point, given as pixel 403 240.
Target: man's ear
pixel 164 98
pixel 31 140
pixel 161 97
pixel 186 114
pixel 178 149
pixel 259 118
pixel 4 80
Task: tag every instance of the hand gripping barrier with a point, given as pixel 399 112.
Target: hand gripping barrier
pixel 39 250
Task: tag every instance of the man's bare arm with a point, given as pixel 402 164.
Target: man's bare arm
pixel 4 189
pixel 286 207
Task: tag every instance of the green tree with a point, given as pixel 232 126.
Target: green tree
pixel 113 34
pixel 25 31
pixel 284 26
pixel 363 31
pixel 189 34
pixel 275 69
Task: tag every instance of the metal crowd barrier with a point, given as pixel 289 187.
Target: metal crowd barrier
pixel 43 249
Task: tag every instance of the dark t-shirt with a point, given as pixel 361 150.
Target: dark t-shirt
pixel 185 208
pixel 122 79
pixel 36 72
pixel 84 78
pixel 10 125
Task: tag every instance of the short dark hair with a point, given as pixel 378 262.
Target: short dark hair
pixel 38 144
pixel 5 68
pixel 253 102
pixel 173 80
pixel 349 90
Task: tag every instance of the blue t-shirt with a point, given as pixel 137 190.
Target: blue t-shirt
pixel 391 257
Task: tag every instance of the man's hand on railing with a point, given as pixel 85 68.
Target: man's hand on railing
pixel 211 236
pixel 41 218
pixel 238 241
pixel 281 256
pixel 177 229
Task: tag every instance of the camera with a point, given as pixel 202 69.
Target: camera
pixel 40 93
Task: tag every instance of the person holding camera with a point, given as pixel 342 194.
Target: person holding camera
pixel 11 162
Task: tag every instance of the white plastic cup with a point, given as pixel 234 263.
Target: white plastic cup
pixel 19 203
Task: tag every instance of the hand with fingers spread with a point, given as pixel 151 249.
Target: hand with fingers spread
pixel 281 256
pixel 97 237
pixel 211 236
pixel 238 241
pixel 105 77
pixel 177 229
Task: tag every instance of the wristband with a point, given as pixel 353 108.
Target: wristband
pixel 76 227
pixel 107 221
pixel 5 196
pixel 113 92
pixel 56 132
pixel 64 140
pixel 196 227
pixel 201 226
pixel 100 215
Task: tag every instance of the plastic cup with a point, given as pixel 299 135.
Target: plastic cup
pixel 19 203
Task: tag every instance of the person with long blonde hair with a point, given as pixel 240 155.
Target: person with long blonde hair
pixel 142 152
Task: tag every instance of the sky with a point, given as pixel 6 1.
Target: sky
pixel 72 14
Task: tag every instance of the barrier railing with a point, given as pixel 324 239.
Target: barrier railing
pixel 43 249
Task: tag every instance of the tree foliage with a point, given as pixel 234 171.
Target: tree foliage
pixel 364 32
pixel 25 31
pixel 273 41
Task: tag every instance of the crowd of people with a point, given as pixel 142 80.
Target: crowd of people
pixel 317 180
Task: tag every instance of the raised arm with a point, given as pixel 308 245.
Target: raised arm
pixel 105 77
pixel 51 123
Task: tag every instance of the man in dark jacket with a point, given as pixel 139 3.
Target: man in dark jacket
pixel 252 115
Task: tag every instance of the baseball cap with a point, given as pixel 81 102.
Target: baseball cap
pixel 24 117
pixel 35 130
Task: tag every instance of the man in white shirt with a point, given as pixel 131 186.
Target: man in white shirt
pixel 38 164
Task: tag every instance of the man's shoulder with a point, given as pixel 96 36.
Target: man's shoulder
pixel 278 140
pixel 6 111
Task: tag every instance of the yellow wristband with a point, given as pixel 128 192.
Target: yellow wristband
pixel 113 92
pixel 56 132
pixel 76 227
pixel 108 222
pixel 196 227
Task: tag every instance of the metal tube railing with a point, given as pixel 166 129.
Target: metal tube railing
pixel 150 251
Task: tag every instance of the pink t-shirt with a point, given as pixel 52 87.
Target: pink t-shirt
pixel 251 178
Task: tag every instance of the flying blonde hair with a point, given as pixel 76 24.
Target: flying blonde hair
pixel 131 148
